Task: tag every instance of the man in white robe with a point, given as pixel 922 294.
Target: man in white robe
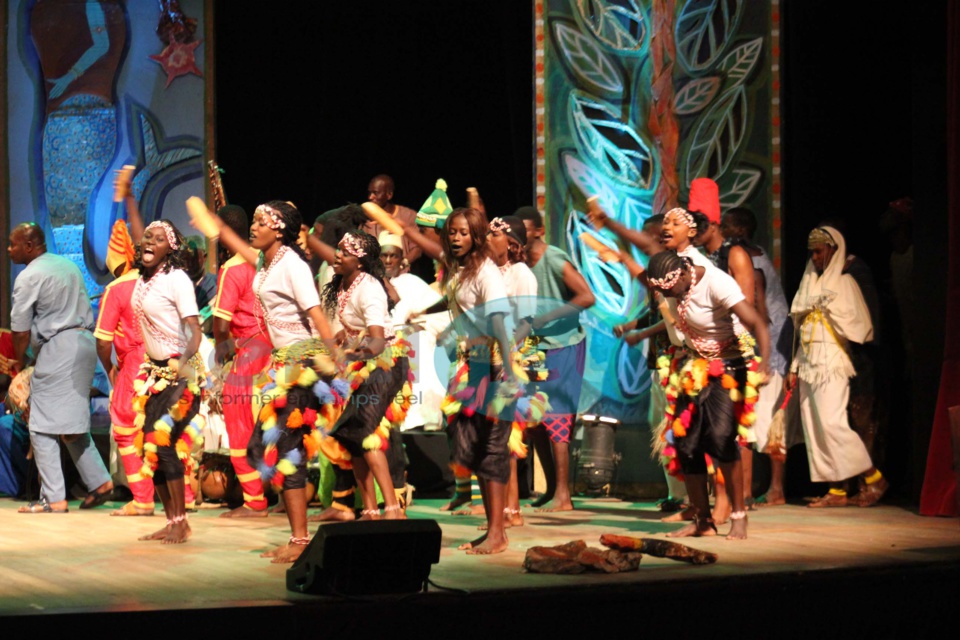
pixel 829 312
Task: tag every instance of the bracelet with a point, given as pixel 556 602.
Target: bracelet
pixel 299 541
pixel 738 515
pixel 370 512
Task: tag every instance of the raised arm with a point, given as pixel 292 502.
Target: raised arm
pixel 640 239
pixel 321 249
pixel 430 247
pixel 210 225
pixel 123 192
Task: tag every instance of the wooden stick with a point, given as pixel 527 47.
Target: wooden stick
pixel 121 183
pixel 658 548
pixel 202 218
pixel 474 200
pixel 381 217
pixel 607 254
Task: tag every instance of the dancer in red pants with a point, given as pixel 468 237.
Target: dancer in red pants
pixel 242 339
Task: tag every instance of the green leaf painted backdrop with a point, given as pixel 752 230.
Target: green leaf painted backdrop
pixel 639 98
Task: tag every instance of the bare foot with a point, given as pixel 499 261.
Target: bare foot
pixel 158 535
pixel 681 516
pixel 332 514
pixel 457 502
pixel 542 500
pixel 487 546
pixel 554 505
pixel 738 528
pixel 288 553
pixel 696 529
pixel 394 513
pixel 243 511
pixel 473 543
pixel 511 518
pixel 273 552
pixel 130 509
pixel 278 508
pixel 771 499
pixel 179 533
pixel 471 510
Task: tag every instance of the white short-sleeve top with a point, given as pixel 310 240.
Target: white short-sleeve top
pixel 161 303
pixel 286 292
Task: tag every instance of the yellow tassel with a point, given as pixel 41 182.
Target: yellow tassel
pixel 286 467
pixel 372 442
pixel 307 377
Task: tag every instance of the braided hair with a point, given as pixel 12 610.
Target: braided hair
pixel 518 233
pixel 665 265
pixel 369 263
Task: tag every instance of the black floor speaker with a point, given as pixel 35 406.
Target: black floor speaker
pixel 367 558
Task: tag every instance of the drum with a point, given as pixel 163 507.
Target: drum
pixel 18 395
pixel 218 480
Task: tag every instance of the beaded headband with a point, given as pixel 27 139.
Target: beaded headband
pixel 167 231
pixel 820 236
pixel 352 245
pixel 498 224
pixel 274 217
pixel 683 216
pixel 668 281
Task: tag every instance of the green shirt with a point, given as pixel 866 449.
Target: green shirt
pixel 553 292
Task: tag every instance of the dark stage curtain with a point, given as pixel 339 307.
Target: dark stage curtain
pixel 939 495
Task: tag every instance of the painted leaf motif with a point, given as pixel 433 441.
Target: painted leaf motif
pixel 740 62
pixel 632 372
pixel 611 282
pixel 695 95
pixel 620 27
pixel 634 211
pixel 718 136
pixel 629 210
pixel 590 183
pixel 745 180
pixel 591 67
pixel 611 145
pixel 703 30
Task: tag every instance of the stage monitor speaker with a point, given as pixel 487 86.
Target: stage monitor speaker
pixel 367 558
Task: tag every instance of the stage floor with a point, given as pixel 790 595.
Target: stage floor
pixel 90 562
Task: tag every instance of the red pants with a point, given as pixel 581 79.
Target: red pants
pixel 122 417
pixel 253 356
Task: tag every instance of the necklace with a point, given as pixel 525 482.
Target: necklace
pixel 262 275
pixel 342 298
pixel 140 293
pixel 707 347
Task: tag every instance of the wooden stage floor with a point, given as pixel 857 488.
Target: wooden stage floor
pixel 86 564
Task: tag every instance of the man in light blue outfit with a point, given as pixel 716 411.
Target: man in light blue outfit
pixel 51 311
